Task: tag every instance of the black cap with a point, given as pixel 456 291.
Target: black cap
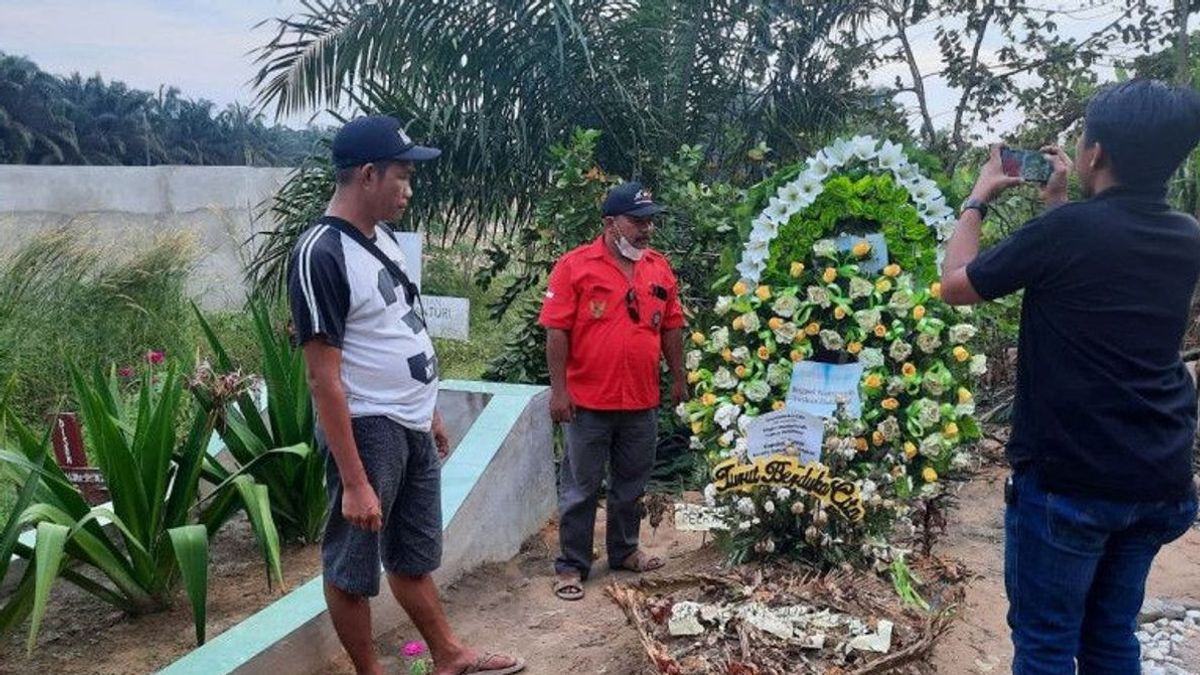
pixel 630 199
pixel 376 138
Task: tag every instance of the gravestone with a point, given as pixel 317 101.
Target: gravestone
pixel 72 458
pixel 445 317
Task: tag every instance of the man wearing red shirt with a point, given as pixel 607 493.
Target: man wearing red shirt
pixel 611 312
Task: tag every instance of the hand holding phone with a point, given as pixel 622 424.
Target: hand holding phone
pixel 1030 166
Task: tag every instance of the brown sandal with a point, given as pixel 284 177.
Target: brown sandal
pixel 477 668
pixel 641 563
pixel 568 589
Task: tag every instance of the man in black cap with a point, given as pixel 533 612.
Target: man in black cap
pixel 611 312
pixel 374 380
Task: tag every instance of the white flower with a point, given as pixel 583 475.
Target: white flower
pixel 931 445
pixel 819 295
pixel 818 168
pixel 839 153
pixel 890 156
pixel 923 190
pixel 783 494
pixel 786 305
pixel 965 310
pixel 681 412
pixel 899 350
pixel 768 546
pixel 890 428
pixel 744 424
pixel 786 333
pixel 726 439
pixel 692 360
pixel 744 525
pixel 710 494
pixel 778 211
pixel 933 385
pixel 748 270
pixel 896 386
pixel 750 322
pixel 978 365
pixel 769 506
pixel 825 247
pixel 719 338
pixel 726 415
pixel 740 447
pixel 867 319
pixel 723 379
pixel 901 301
pixel 870 358
pixel 860 288
pixel 695 443
pixel 962 332
pixel 757 390
pixel 863 147
pixel 928 342
pixel 832 340
pixel 964 409
pixel 741 354
pixel 724 303
pixel 867 489
pixel 929 412
pixel 778 374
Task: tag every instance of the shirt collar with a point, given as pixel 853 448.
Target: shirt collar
pixel 1153 194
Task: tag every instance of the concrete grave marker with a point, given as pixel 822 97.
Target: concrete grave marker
pixel 445 317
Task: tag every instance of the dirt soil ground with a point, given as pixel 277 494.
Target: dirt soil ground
pixel 510 607
pixel 84 636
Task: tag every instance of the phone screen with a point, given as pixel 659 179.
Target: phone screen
pixel 1028 165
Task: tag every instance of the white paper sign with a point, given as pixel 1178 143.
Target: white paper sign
pixel 816 388
pixel 410 246
pixel 447 317
pixel 786 432
pixel 879 254
pixel 698 518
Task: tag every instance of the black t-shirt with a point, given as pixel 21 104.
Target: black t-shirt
pixel 1104 405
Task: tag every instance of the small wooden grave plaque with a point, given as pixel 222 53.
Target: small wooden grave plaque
pixel 69 452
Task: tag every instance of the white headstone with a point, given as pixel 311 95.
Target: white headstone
pixel 447 317
pixel 698 518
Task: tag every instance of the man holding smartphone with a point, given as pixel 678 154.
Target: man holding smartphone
pixel 1105 411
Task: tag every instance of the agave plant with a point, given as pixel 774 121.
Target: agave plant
pixel 155 536
pixel 275 445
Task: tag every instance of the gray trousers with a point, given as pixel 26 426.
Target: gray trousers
pixel 596 439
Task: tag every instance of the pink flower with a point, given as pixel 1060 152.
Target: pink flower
pixel 126 372
pixel 414 649
pixel 155 358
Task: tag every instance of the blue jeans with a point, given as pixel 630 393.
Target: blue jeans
pixel 1075 572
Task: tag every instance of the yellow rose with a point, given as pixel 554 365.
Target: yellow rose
pixel 737 399
pixel 739 288
pixel 854 347
pixel 763 292
pixel 709 399
pixel 738 323
pixel 873 381
pixel 796 356
pixel 812 328
pixel 889 404
pixel 908 370
pixel 829 275
pixel 860 249
pixel 778 405
pixel 839 312
pixel 697 427
pixel 797 269
pixel 763 353
pixel 961 354
pixel 964 396
pixel 892 270
pixel 910 450
pixel 775 323
pixel 935 289
pixel 877 437
pixel 741 371
pixel 883 285
pixel 861 444
pixel 698 338
pixel 727 354
pixel 919 312
pixel 951 429
pixel 880 330
pixel 929 475
pixel 693 376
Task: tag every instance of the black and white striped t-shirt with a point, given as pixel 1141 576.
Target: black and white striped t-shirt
pixel 339 290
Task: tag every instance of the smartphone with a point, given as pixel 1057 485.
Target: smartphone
pixel 1028 165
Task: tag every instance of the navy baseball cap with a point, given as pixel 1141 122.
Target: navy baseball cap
pixel 630 199
pixel 374 139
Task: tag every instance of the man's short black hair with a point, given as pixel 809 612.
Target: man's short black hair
pixel 1147 127
pixel 343 175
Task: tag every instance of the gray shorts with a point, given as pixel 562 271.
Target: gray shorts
pixel 403 468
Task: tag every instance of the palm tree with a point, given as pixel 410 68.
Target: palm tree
pixel 34 128
pixel 497 82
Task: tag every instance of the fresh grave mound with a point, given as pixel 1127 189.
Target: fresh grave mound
pixel 781 620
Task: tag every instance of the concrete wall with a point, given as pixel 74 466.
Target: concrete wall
pixel 123 207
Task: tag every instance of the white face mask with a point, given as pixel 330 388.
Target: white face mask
pixel 628 250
